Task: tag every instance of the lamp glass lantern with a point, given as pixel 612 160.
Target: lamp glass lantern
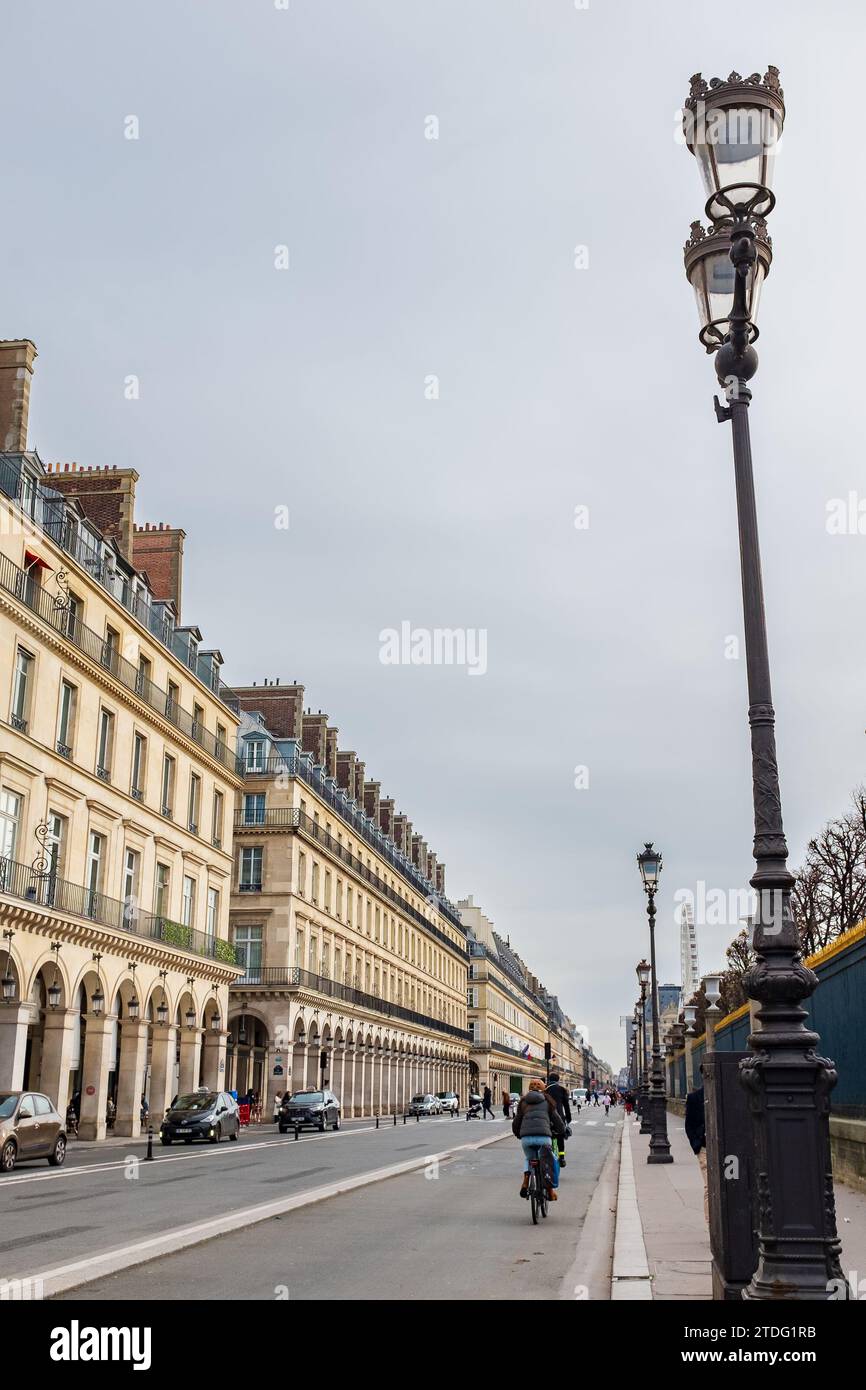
pixel 711 274
pixel 161 1012
pixel 650 864
pixel 215 1022
pixel 190 1017
pixel 53 995
pixel 8 986
pixel 97 1001
pixel 133 1008
pixel 733 129
pixel 643 974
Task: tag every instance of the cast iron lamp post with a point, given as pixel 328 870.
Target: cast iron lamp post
pixel 732 128
pixel 643 976
pixel 650 865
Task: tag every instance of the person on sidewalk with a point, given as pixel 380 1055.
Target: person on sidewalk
pixel 559 1095
pixel 696 1134
pixel 487 1104
pixel 535 1124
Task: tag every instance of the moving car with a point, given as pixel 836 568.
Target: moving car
pixel 449 1101
pixel 425 1105
pixel 578 1096
pixel 309 1110
pixel 203 1114
pixel 30 1127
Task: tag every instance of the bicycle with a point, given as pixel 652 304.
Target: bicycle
pixel 538 1201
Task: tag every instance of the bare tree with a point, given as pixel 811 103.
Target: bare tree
pixel 829 895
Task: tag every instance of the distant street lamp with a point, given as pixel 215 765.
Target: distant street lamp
pixel 650 865
pixel 643 976
pixel 732 128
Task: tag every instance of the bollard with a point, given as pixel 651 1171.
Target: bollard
pixel 395 1120
pixel 404 1119
pixel 297 1131
pixel 148 1157
pixel 377 1121
pixel 417 1118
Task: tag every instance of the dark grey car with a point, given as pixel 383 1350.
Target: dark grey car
pixel 309 1110
pixel 203 1114
pixel 30 1127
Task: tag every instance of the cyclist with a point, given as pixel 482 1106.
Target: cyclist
pixel 535 1125
pixel 559 1095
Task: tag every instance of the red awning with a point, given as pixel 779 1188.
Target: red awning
pixel 33 561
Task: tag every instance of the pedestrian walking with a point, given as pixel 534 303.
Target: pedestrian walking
pixel 506 1105
pixel 278 1100
pixel 605 1100
pixel 696 1134
pixel 487 1102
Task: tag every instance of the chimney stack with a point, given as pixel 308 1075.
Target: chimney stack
pixel 281 708
pixel 159 551
pixel 16 369
pixel 107 498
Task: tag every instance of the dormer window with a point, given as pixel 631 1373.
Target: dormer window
pixel 255 759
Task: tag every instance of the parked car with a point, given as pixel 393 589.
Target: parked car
pixel 448 1101
pixel 309 1110
pixel 425 1105
pixel 203 1114
pixel 30 1127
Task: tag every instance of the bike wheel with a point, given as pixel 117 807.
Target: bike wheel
pixel 533 1194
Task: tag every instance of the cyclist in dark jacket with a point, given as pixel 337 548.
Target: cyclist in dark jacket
pixel 536 1123
pixel 559 1096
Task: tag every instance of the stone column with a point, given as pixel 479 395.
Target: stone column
pixel 130 1082
pixel 162 1082
pixel 214 1075
pixel 98 1039
pixel 58 1045
pixel 14 1019
pixel 190 1054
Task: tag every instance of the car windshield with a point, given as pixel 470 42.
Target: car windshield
pixel 307 1097
pixel 8 1102
pixel 445 1095
pixel 202 1101
pixel 420 1100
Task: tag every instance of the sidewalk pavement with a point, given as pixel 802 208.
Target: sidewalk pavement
pixel 662 1241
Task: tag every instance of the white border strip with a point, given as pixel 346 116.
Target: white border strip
pixel 631 1276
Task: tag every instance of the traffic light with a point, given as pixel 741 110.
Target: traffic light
pixel 547 1052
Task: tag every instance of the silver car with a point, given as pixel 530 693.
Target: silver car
pixel 30 1127
pixel 425 1105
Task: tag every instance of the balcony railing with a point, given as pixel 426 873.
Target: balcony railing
pixel 46 509
pixel 48 890
pixel 293 978
pixel 290 818
pixel 298 767
pixel 52 610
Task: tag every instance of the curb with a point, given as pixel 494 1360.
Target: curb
pixel 631 1278
pixel 70 1276
pixel 590 1275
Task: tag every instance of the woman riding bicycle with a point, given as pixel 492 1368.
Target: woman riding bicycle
pixel 535 1124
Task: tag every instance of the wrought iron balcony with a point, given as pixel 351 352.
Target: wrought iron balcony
pixel 53 611
pixel 48 890
pixel 292 978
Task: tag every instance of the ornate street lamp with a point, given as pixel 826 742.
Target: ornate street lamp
pixel 54 990
pixel 97 1000
pixel 8 982
pixel 733 128
pixel 650 864
pixel 133 1008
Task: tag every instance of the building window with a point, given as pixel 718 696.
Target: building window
pixel 327 902
pixel 172 701
pixel 312 960
pixel 130 888
pixel 66 719
pixel 21 688
pixel 188 901
pixel 10 813
pixel 302 873
pixel 254 808
pixel 167 785
pixel 143 679
pixel 110 649
pixel 194 802
pixel 314 895
pixel 255 759
pixel 338 910
pixel 197 721
pixel 299 949
pixel 251 870
pixel 106 745
pixel 213 912
pixel 349 904
pixel 248 946
pixel 95 846
pixel 163 885
pixel 139 765
pixel 217 833
pixel 472 998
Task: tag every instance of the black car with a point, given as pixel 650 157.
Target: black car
pixel 309 1110
pixel 204 1114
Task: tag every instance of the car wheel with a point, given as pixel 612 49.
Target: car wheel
pixel 337 1121
pixel 165 1141
pixel 284 1129
pixel 8 1156
pixel 58 1157
pixel 322 1125
pixel 217 1135
pixel 236 1134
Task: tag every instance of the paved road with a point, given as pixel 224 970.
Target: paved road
pixel 458 1231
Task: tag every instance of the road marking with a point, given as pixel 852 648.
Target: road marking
pixel 70 1276
pixel 591 1122
pixel 202 1151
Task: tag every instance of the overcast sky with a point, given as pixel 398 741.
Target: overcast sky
pixel 411 258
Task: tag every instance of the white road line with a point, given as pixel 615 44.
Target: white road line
pixel 70 1276
pixel 203 1151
